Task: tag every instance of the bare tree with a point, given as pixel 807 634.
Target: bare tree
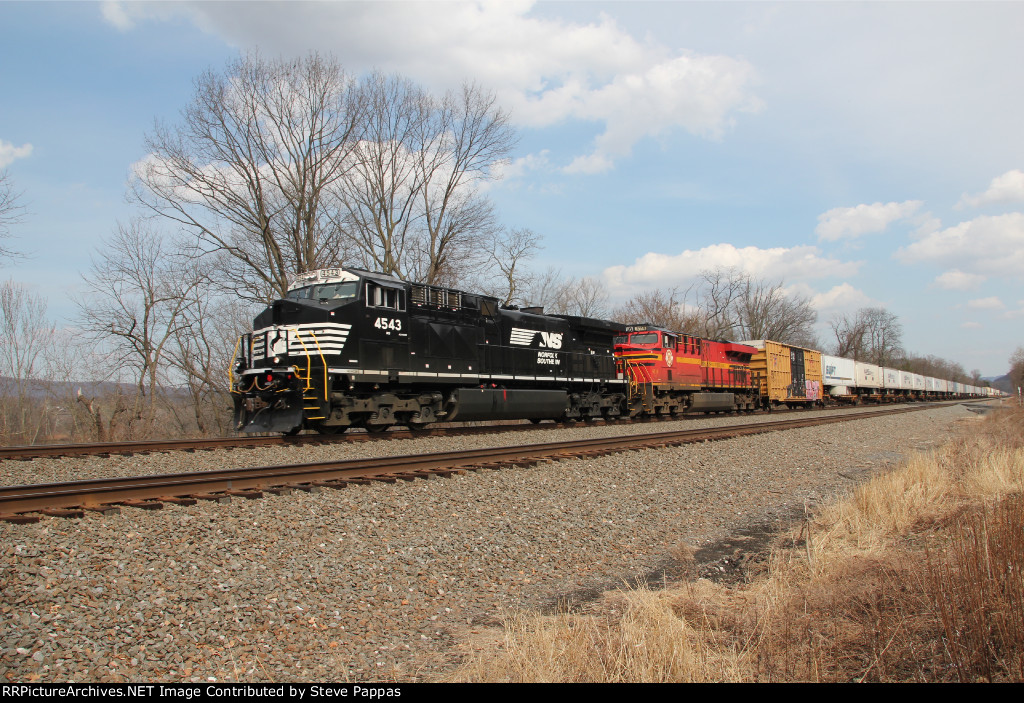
pixel 467 136
pixel 874 335
pixel 199 357
pixel 509 251
pixel 587 297
pixel 932 365
pixel 26 341
pixel 850 332
pixel 884 338
pixel 663 308
pixel 12 213
pixel 719 293
pixel 248 168
pixel 547 290
pixel 138 290
pixel 376 201
pixel 1017 368
pixel 764 310
pixel 412 204
pixel 735 305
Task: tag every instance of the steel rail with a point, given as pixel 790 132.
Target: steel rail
pixel 101 494
pixel 25 452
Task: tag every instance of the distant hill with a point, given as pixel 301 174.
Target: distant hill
pixel 69 389
pixel 1003 383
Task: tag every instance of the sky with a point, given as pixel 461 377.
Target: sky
pixel 864 154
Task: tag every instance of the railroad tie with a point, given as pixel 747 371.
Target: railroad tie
pixel 62 512
pixel 142 504
pixel 215 497
pixel 176 500
pixel 336 484
pixel 103 509
pixel 305 487
pixel 19 518
pixel 250 494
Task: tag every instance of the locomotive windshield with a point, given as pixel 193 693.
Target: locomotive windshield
pixel 644 338
pixel 330 291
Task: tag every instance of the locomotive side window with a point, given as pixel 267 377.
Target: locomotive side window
pixel 381 297
pixel 645 338
pixel 488 308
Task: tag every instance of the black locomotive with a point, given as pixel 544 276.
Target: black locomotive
pixel 351 348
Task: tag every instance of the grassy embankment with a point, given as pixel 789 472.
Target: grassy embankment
pixel 917 576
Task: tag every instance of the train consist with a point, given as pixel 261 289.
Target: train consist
pixel 352 348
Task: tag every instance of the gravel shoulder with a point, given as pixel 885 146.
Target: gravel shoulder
pixel 385 581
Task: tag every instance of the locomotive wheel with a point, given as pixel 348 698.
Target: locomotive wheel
pixel 418 426
pixel 331 429
pixel 377 429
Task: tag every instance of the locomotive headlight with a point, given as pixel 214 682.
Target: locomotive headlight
pixel 277 360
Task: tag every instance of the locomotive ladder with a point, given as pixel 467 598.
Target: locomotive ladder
pixel 640 383
pixel 310 397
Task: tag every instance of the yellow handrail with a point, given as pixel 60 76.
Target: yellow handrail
pixel 309 368
pixel 231 365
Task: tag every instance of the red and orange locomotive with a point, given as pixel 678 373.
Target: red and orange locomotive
pixel 671 373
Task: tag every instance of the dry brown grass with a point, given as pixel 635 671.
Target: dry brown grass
pixel 917 576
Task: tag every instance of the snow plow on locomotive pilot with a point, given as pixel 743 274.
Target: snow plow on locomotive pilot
pixel 351 348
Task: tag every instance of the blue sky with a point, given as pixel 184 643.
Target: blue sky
pixel 866 154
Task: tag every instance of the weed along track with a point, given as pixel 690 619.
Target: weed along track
pixel 72 499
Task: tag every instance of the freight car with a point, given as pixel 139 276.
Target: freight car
pixel 786 374
pixel 352 348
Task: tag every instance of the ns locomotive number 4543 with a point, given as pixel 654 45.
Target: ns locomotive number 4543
pixel 351 348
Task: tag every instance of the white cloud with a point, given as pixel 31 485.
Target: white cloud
pixel 991 303
pixel 590 164
pixel 955 279
pixel 117 14
pixel 987 245
pixel 1019 312
pixel 843 297
pixel 9 153
pixel 791 264
pixel 852 222
pixel 1006 188
pixel 546 70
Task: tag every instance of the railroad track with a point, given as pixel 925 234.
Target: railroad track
pixel 25 453
pixel 73 499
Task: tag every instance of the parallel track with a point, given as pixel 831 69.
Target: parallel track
pixel 24 453
pixel 72 499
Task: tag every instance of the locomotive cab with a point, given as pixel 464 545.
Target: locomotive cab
pixel 658 357
pixel 331 326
